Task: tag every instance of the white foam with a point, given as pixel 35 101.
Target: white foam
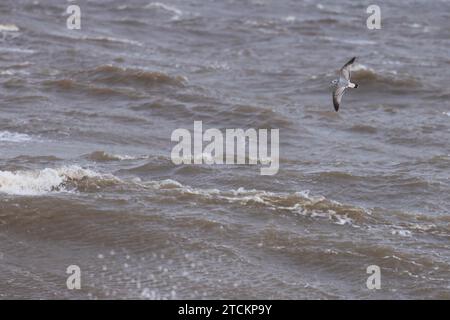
pixel 303 203
pixel 350 41
pixel 167 184
pixel 359 41
pixel 16 50
pixel 341 220
pixel 217 65
pixel 124 157
pixel 361 67
pixel 9 28
pixel 14 72
pixel 446 113
pixel 112 39
pixel 38 182
pixel 6 136
pixel 401 232
pixel 290 19
pixel 127 157
pixel 177 13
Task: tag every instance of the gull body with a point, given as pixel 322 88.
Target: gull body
pixel 342 83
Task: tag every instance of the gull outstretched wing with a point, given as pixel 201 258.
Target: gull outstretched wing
pixel 346 69
pixel 337 97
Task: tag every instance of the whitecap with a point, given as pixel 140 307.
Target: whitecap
pixel 7 73
pixel 401 232
pixel 112 39
pixel 16 50
pixel 6 136
pixel 9 28
pixel 361 67
pixel 39 182
pixel 290 19
pixel 104 156
pixel 177 13
pixel 301 203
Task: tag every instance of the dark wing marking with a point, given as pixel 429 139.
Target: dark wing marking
pixel 345 71
pixel 337 97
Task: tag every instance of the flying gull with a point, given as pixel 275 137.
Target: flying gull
pixel 342 83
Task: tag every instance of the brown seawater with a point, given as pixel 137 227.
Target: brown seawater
pixel 86 176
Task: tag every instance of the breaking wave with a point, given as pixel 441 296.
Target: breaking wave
pixel 6 136
pixel 301 203
pixel 102 156
pixel 108 80
pixel 9 28
pixel 75 178
pixel 117 75
pixel 64 179
pixel 175 12
pixel 112 40
pixel 364 74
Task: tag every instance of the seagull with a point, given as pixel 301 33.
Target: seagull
pixel 342 83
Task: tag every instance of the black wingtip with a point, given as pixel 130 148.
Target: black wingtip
pixel 336 107
pixel 356 85
pixel 352 60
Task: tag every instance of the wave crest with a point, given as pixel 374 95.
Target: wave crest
pixel 39 182
pixel 117 75
pixel 301 203
pixel 175 12
pixel 6 136
pixel 9 28
pixel 363 74
pixel 102 156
